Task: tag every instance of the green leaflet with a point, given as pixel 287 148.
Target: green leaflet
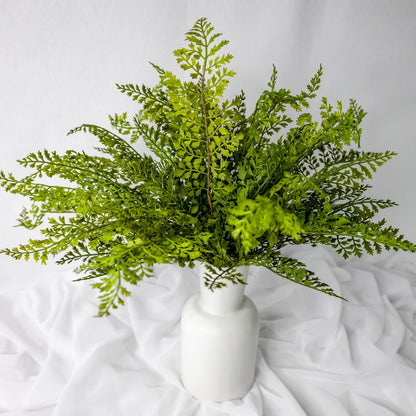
pixel 218 185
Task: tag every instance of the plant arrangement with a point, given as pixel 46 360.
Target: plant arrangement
pixel 219 185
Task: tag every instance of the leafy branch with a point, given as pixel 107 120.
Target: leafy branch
pixel 218 186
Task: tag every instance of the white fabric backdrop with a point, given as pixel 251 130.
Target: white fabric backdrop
pixel 318 356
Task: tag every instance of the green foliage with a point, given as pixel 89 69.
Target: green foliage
pixel 220 186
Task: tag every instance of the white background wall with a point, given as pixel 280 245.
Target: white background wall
pixel 60 59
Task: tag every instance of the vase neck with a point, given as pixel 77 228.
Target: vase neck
pixel 224 299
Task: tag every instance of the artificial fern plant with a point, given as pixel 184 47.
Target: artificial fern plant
pixel 221 186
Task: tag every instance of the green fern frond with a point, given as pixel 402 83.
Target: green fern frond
pixel 218 186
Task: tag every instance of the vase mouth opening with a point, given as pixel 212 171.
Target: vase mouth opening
pixel 229 296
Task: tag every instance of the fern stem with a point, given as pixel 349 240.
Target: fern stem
pixel 207 135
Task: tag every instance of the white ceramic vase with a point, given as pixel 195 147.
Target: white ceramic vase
pixel 219 339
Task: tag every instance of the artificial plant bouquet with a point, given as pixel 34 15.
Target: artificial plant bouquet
pixel 220 186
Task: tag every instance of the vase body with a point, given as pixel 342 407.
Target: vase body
pixel 219 339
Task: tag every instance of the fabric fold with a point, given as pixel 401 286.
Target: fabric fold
pixel 318 355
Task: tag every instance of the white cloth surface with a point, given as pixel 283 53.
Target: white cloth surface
pixel 318 355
